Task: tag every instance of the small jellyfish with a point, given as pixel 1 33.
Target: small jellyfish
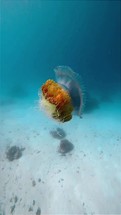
pixel 62 98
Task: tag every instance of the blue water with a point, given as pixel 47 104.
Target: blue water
pixel 38 36
pixel 35 37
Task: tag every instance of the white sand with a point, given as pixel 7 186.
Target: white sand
pixel 85 181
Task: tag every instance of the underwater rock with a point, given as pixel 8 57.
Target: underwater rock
pixel 12 208
pixel 14 152
pixel 58 133
pixel 15 199
pixel 65 146
pixel 30 209
pixel 33 202
pixel 33 183
pixel 38 211
pixel 39 179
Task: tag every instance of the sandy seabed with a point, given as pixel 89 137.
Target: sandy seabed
pixel 85 181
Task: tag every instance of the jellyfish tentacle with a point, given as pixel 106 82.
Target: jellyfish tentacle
pixel 70 81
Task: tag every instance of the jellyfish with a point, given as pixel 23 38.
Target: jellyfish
pixel 62 98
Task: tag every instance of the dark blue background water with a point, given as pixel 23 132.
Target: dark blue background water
pixel 37 36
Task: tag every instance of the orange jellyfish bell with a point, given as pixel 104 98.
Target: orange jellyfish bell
pixel 56 101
